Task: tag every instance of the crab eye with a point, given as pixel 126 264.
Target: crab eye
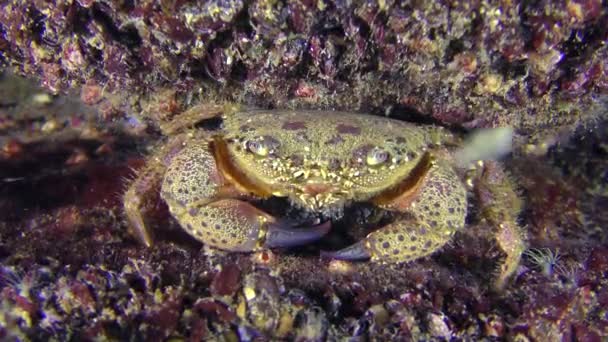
pixel 262 146
pixel 257 147
pixel 376 156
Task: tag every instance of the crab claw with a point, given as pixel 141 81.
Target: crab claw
pixel 354 252
pixel 282 235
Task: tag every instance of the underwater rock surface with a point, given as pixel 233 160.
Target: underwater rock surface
pixel 533 66
pixel 70 269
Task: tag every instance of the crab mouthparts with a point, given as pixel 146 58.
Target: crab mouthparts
pixel 317 196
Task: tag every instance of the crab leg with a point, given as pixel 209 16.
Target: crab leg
pixel 210 205
pixel 431 216
pixel 196 114
pixel 136 202
pixel 142 193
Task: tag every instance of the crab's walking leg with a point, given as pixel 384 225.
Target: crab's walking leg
pixel 136 201
pixel 208 202
pixel 142 193
pixel 430 219
pixel 194 115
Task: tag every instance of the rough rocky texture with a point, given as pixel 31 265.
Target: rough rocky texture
pixel 535 66
pixel 69 269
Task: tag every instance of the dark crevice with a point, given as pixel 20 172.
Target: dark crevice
pixel 195 69
pixel 242 22
pixel 127 5
pixel 526 28
pixel 79 19
pixel 410 114
pixel 223 40
pixel 36 24
pixel 209 124
pixel 455 47
pixel 95 56
pixel 477 26
pixel 239 72
pixel 4 47
pixel 299 70
pixel 577 49
pixel 127 36
pixel 511 70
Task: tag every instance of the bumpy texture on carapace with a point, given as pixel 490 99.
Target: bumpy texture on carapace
pixel 322 159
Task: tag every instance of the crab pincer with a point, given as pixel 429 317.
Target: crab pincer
pixel 279 235
pixel 354 252
pixel 238 226
pixel 213 210
pixel 433 210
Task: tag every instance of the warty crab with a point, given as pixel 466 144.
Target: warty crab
pixel 321 161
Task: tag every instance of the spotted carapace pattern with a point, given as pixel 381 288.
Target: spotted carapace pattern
pixel 321 161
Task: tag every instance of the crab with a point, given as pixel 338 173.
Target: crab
pixel 321 161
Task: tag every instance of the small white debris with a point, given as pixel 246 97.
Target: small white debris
pixel 42 99
pixel 486 144
pixel 438 326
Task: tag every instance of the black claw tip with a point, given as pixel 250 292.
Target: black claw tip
pixel 351 253
pixel 279 236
